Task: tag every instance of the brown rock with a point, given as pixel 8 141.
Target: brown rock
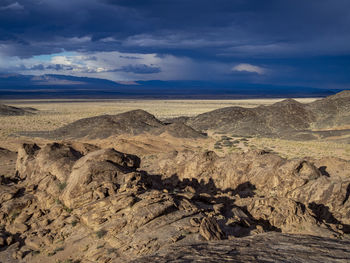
pixel 33 243
pixel 2 241
pixel 22 218
pixel 9 240
pixel 96 176
pixel 136 213
pixel 218 208
pixel 250 174
pixel 195 221
pixel 267 247
pixel 210 230
pixel 17 228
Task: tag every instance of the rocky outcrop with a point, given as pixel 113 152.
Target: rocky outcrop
pixel 258 248
pixel 300 188
pixel 7 162
pixel 62 188
pixel 66 197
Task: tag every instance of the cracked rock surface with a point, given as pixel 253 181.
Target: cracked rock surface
pixel 77 202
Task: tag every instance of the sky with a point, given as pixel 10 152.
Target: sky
pixel 279 42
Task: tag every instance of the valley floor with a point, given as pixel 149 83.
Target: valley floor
pixel 53 114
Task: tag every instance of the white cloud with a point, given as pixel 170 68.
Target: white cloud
pixel 63 60
pixel 113 65
pixel 249 68
pixel 173 40
pixel 14 6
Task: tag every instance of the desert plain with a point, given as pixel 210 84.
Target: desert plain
pixel 53 114
pixel 261 180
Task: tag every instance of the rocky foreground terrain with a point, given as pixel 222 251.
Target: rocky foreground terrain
pixel 80 203
pixel 66 200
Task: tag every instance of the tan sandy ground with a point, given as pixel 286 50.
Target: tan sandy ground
pixel 286 148
pixel 56 113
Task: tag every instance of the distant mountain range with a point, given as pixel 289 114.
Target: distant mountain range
pixel 16 86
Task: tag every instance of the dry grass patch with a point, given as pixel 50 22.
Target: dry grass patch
pixel 297 149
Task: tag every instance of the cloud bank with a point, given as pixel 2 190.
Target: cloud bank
pixel 12 7
pixel 249 68
pixel 299 42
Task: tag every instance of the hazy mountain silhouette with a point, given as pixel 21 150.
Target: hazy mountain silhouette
pixel 61 86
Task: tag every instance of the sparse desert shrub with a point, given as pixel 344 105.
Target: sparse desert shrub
pixel 101 233
pixel 59 249
pixel 227 143
pixel 67 209
pixel 217 145
pixel 69 261
pixel 61 186
pixel 111 250
pixel 50 254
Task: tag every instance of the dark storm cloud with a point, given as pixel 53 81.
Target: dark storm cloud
pixel 254 32
pixel 14 6
pixel 204 28
pixel 138 69
pixel 130 57
pixel 59 67
pixel 41 67
pixel 37 67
